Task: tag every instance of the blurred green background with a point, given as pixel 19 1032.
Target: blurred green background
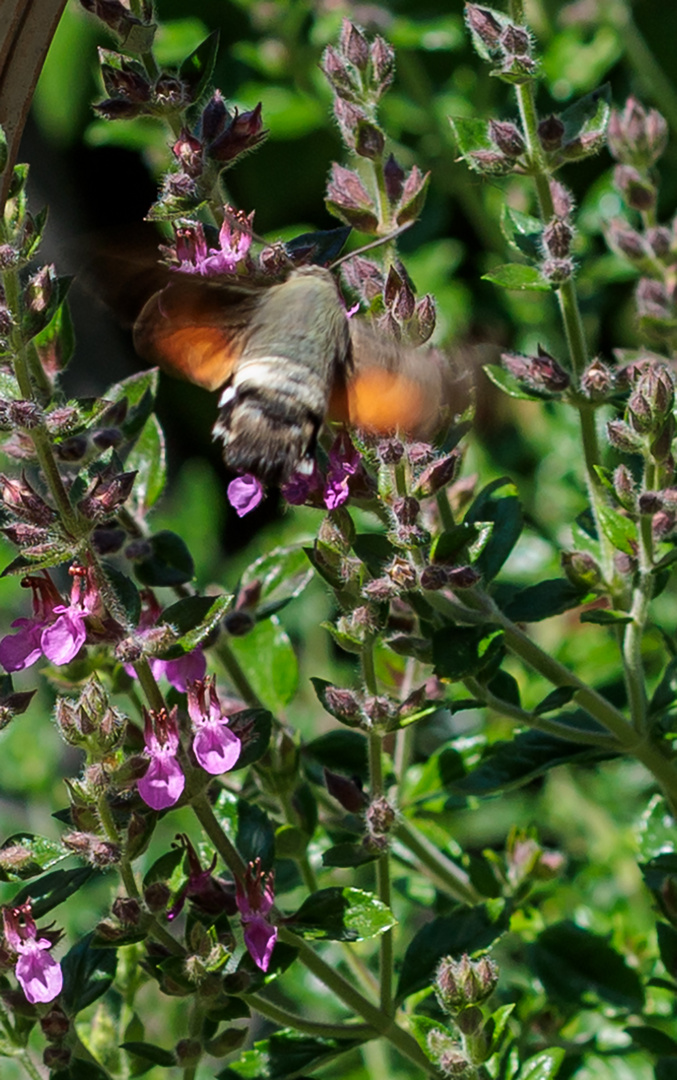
pixel 96 176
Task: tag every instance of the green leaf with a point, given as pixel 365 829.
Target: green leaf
pixel 285 1054
pixel 666 1068
pixel 556 699
pixel 466 930
pixel 87 974
pixel 374 550
pixel 53 889
pixel 509 764
pixel 667 946
pixel 619 530
pixel 605 617
pixel 518 276
pixel 148 459
pixel 652 1039
pixel 56 343
pixel 125 591
pixel 573 963
pixel 589 113
pixel 169 563
pixel 194 618
pixel 255 834
pixel 269 662
pixel 448 545
pixel 460 651
pixel 497 503
pixel 253 727
pixel 155 1055
pixel 665 694
pixel 473 140
pixel 282 575
pixel 24 856
pixel 342 914
pixel 346 855
pixel 163 867
pixel 656 834
pixel 495 1026
pixel 542 1066
pixel 523 232
pixel 543 600
pixel 342 751
pixel 510 384
pixel 140 391
pixel 197 69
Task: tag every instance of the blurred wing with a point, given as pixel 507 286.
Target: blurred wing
pixel 196 329
pixel 393 387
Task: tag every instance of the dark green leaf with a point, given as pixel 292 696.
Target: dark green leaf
pixel 253 727
pixel 460 651
pixel 319 247
pixel 472 139
pixel 448 545
pixel 467 930
pixel 170 562
pixel 497 503
pixel 374 550
pixel 666 1068
pixel 56 343
pixel 573 963
pixel 24 856
pixel 620 531
pixel 605 617
pixel 155 1055
pixel 667 946
pixel 531 753
pixel 194 618
pixel 342 914
pixel 652 1039
pixel 543 600
pixel 87 974
pixel 285 1054
pixel 125 592
pixel 656 834
pixel 505 686
pixel 148 460
pixel 522 231
pixel 665 694
pixel 255 834
pixel 519 277
pixel 589 113
pixel 163 867
pixel 347 854
pixel 343 751
pixel 556 699
pixel 510 385
pixel 196 70
pixel 52 889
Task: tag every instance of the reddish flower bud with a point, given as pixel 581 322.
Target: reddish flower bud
pixel 557 237
pixel 635 136
pixel 638 192
pixel 562 199
pixel 341 77
pixel 482 22
pixel 243 132
pixel 413 196
pixel 393 175
pixel 347 792
pixel 557 271
pixel 353 45
pixel 189 152
pixel 622 437
pixel 382 57
pixel 580 569
pixel 438 474
pixel 550 133
pixel 348 199
pixel 508 138
pixel 597 381
pixel 626 241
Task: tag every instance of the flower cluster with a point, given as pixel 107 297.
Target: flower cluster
pixel 38 973
pixel 216 748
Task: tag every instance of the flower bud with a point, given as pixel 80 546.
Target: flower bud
pixel 438 474
pixel 339 74
pixel 127 909
pixel 369 140
pixel 380 816
pixel 562 199
pixel 55 1024
pixel 624 486
pixel 597 381
pixel 557 237
pixel 189 152
pixel 393 175
pixel 353 45
pixel 464 982
pixel 659 239
pixel 638 192
pixel 541 372
pixel 341 703
pixel 413 196
pixel 39 289
pixel 401 573
pixel 626 241
pixel 482 22
pixel 424 318
pixel 347 792
pixel 348 199
pixel 243 132
pixel 463 577
pixel 635 136
pixel 550 133
pixel 56 1059
pixel 382 56
pixel 556 271
pixel 507 137
pixel 622 437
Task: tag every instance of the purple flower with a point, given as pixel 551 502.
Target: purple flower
pixel 255 897
pixel 344 462
pixel 214 744
pixel 163 782
pixel 38 973
pixel 208 894
pixel 245 494
pixel 55 630
pixel 195 257
pixel 301 486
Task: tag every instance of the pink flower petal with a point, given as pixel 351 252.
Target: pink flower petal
pixel 163 784
pixel 260 938
pixel 245 494
pixel 216 748
pixel 20 650
pixel 186 669
pixel 62 641
pixel 38 973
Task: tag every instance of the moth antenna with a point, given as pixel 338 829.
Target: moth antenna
pixel 374 244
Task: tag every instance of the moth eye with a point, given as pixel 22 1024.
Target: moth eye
pixel 228 395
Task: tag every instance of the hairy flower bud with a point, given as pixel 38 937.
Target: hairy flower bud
pixel 635 136
pixel 581 569
pixel 348 199
pixel 551 133
pixel 597 381
pixel 382 56
pixel 353 45
pixel 557 237
pixel 562 199
pixel 464 982
pixel 393 176
pixel 347 792
pixel 541 372
pixel 482 22
pixel 507 137
pixel 638 192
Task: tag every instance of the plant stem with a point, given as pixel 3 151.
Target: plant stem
pixel 29 1066
pixel 382 878
pixel 205 815
pixel 236 674
pixel 446 515
pixel 444 873
pixel 286 1018
pixel 633 632
pixel 151 690
pixel 347 993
